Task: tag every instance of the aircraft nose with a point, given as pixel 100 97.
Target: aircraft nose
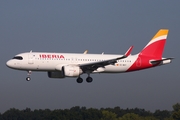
pixel 9 64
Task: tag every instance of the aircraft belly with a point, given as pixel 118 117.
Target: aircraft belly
pixel 115 69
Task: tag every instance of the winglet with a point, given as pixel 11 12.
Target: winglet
pixel 126 54
pixel 128 51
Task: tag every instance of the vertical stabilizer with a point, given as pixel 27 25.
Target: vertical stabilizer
pixel 156 46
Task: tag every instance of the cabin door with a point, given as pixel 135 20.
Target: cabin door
pixel 30 58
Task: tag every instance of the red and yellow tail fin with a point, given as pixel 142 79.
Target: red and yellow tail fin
pixel 156 46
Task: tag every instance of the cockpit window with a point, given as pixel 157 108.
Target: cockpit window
pixel 18 57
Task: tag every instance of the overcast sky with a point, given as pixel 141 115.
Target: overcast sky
pixel 111 27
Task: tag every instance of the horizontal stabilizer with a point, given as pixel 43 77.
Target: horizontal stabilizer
pixel 162 60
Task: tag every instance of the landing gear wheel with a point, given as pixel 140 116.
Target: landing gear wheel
pixel 28 78
pixel 79 80
pixel 89 79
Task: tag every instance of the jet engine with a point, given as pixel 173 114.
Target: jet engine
pixel 56 74
pixel 72 71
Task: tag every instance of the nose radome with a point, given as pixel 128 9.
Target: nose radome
pixel 9 63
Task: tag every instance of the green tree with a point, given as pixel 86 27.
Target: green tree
pixel 149 118
pixel 130 116
pixel 12 114
pixel 107 115
pixel 176 111
pixel 161 115
pixel 170 118
pixel 93 114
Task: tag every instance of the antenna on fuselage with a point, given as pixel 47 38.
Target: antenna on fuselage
pixel 85 52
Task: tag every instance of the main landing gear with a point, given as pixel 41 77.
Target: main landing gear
pixel 88 79
pixel 79 80
pixel 29 73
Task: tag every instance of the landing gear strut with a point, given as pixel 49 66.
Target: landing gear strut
pixel 89 79
pixel 29 73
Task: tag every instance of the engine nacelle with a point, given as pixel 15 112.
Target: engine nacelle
pixel 72 71
pixel 56 74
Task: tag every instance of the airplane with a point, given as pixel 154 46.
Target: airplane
pixel 61 65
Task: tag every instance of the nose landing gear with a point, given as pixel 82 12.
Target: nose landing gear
pixel 29 73
pixel 28 78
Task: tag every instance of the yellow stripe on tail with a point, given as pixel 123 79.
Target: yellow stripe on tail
pixel 161 32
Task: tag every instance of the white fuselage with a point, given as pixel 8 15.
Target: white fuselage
pixel 41 61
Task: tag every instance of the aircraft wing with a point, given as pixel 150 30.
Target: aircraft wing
pixel 95 65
